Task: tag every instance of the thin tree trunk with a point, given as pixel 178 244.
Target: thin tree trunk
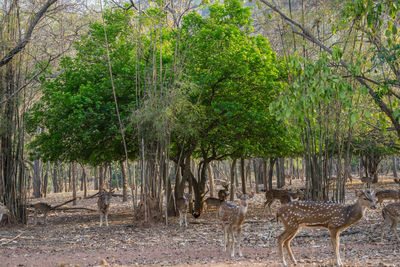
pixel 124 183
pixel 394 166
pixel 73 183
pixel 243 174
pixel 233 167
pixel 36 179
pixel 211 179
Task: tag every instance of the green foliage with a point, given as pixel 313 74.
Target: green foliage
pixel 238 77
pixel 77 110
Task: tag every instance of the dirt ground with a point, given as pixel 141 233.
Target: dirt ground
pixel 75 239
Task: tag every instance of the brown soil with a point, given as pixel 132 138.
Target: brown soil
pixel 75 239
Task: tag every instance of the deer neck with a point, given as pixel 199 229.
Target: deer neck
pixel 355 212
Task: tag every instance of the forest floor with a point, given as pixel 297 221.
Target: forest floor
pixel 75 239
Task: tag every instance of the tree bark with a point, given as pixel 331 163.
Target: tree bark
pixel 124 183
pixel 36 179
pixel 243 174
pixel 394 166
pixel 233 167
pixel 73 167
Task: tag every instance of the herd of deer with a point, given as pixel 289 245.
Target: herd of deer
pixel 294 214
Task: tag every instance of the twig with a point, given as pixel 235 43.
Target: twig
pixel 12 239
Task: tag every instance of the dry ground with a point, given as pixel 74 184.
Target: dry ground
pixel 75 239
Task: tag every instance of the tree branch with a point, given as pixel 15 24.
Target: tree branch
pixel 309 36
pixel 28 34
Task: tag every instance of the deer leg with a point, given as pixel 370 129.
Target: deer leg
pixel 101 219
pixel 224 228
pixel 185 219
pixel 393 228
pixel 281 239
pixel 335 239
pixel 288 248
pixel 239 239
pixel 232 241
pixel 180 218
pixel 385 222
pixel 106 216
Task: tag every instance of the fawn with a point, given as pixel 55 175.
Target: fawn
pixel 333 216
pixel 391 213
pixel 387 195
pixel 182 205
pixel 232 218
pixel 284 196
pixel 103 203
pixel 216 202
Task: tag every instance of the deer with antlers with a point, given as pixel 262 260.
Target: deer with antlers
pixel 333 216
pixel 103 203
pixel 232 217
pixel 391 214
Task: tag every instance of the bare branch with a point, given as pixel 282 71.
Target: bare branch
pixel 28 34
pixel 302 31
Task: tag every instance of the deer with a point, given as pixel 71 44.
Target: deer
pixel 216 202
pixel 333 216
pixel 284 196
pixel 42 207
pixel 391 214
pixel 388 194
pixel 103 203
pixel 182 205
pixel 3 210
pixel 367 180
pixel 232 218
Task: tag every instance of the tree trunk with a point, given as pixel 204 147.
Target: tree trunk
pixel 46 180
pixel 271 172
pixel 55 183
pixel 394 166
pixel 243 174
pixel 233 167
pixel 101 178
pixel 96 178
pixel 124 183
pixel 84 181
pixel 73 167
pixel 211 179
pixel 36 179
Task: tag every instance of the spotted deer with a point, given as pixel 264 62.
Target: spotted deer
pixel 44 208
pixel 367 180
pixel 284 196
pixel 388 194
pixel 391 214
pixel 335 217
pixel 182 205
pixel 232 217
pixel 103 203
pixel 216 202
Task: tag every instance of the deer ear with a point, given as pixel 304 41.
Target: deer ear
pixel 238 194
pixel 358 192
